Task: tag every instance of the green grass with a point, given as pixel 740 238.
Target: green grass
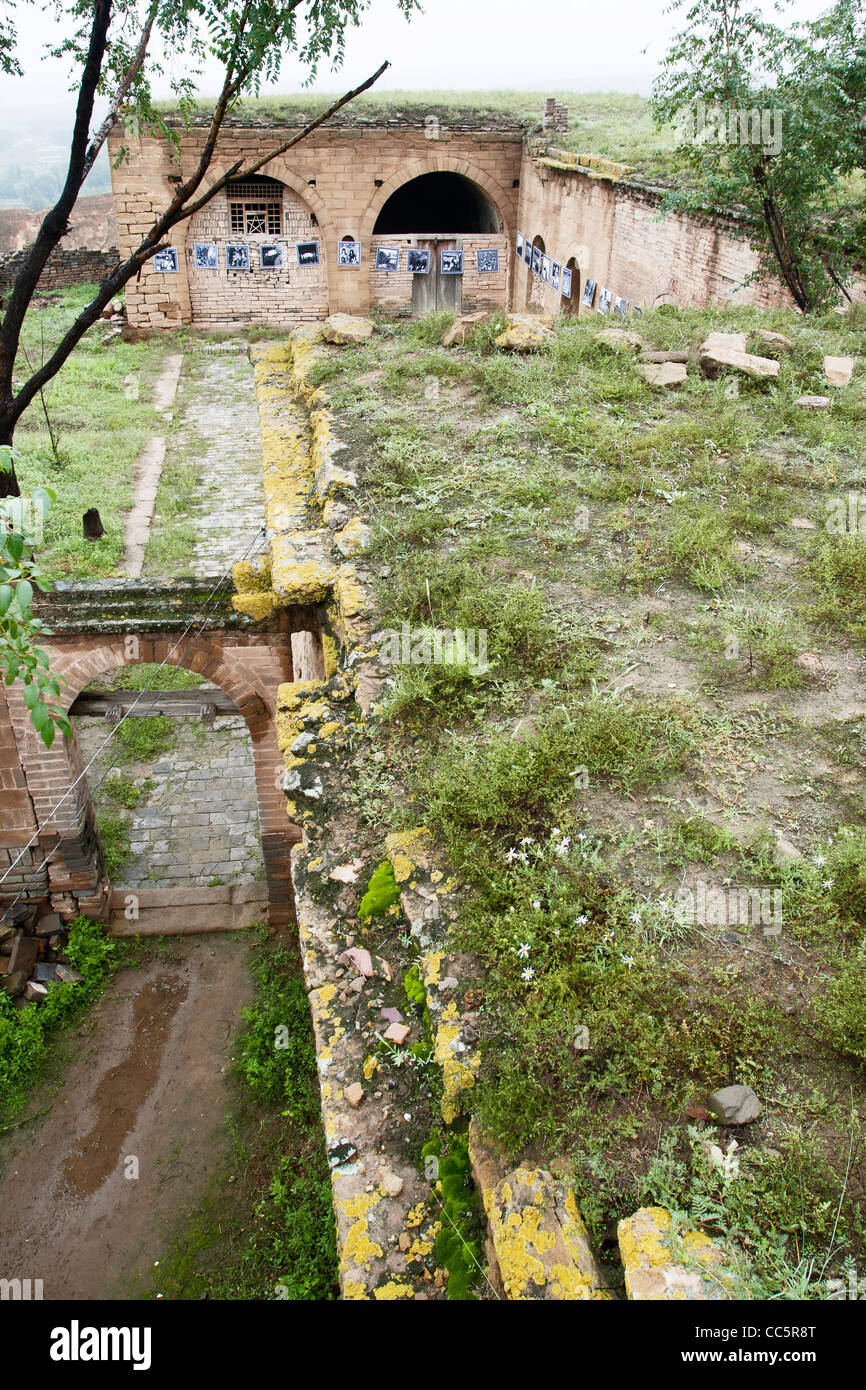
pixel 644 723
pixel 27 1036
pixel 613 124
pixel 101 416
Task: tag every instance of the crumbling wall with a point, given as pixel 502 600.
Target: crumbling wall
pixel 66 266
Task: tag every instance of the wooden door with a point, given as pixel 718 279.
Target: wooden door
pixel 435 290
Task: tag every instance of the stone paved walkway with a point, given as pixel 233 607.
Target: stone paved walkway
pixel 199 821
pixel 216 437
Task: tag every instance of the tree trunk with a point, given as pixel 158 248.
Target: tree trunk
pixel 8 481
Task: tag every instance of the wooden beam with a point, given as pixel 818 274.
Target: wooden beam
pixel 177 704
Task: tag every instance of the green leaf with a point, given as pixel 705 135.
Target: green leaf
pixel 7 593
pixel 31 695
pixel 15 546
pixel 24 594
pixel 39 716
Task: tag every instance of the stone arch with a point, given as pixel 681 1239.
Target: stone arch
pixel 75 874
pixel 435 164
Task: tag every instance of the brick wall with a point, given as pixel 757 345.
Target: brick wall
pixel 618 237
pixel 341 177
pixel 66 266
pixel 247 667
pixel 392 290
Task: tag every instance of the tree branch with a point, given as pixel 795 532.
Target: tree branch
pixel 123 89
pixel 173 215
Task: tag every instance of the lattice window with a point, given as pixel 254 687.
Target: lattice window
pixel 256 207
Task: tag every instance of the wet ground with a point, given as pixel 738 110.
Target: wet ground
pixel 91 1191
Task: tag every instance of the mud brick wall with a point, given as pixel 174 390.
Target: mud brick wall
pixel 287 296
pixel 336 183
pixel 619 238
pixel 392 290
pixel 66 266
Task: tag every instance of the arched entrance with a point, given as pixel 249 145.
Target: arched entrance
pixel 440 203
pixel 449 226
pixel 247 676
pixel 570 306
pixel 535 286
pixel 243 257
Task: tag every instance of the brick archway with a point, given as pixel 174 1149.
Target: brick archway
pixel 75 877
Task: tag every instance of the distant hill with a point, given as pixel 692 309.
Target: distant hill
pixel 92 223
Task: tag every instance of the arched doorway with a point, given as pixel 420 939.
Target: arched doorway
pixel 255 254
pixel 437 204
pixel 570 305
pixel 437 214
pixel 535 286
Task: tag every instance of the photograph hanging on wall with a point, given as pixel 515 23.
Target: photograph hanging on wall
pixel 519 245
pixel 620 306
pixel 205 255
pixel 418 261
pixel 527 252
pixel 237 257
pixel 349 254
pixel 589 293
pixel 307 252
pixel 566 283
pixel 271 256
pixel 545 269
pixel 165 261
pixel 487 261
pixel 605 299
pixel 555 272
pixel 451 262
pixel 536 260
pixel 387 258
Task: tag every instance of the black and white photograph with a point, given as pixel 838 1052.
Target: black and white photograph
pixel 555 273
pixel 349 254
pixel 536 260
pixel 271 256
pixel 237 256
pixel 165 261
pixel 518 245
pixel 205 255
pixel 487 260
pixel 620 306
pixel 451 262
pixel 566 284
pixel 527 252
pixel 605 299
pixel 589 293
pixel 545 269
pixel 387 258
pixel 418 261
pixel 307 252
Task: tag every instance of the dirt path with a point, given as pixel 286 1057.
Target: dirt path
pixel 147 1084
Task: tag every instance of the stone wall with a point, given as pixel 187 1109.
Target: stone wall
pixel 335 185
pixel 66 266
pixel 617 235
